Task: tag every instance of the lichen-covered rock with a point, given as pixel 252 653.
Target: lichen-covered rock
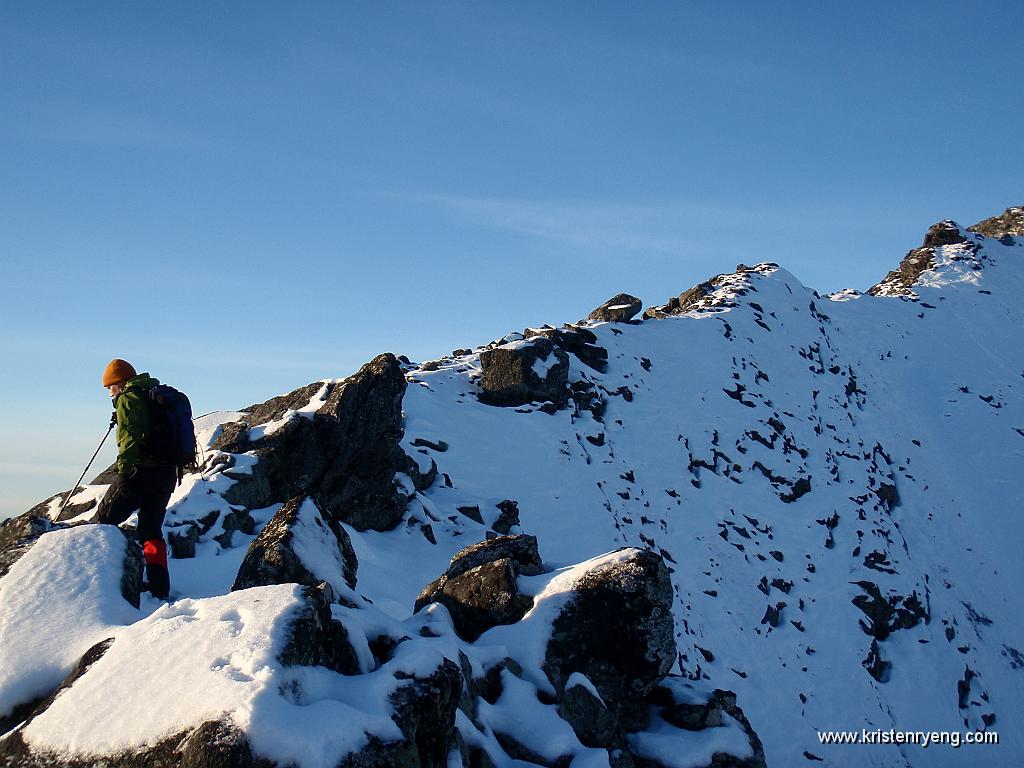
pixel 300 545
pixel 621 308
pixel 17 535
pixel 345 455
pixel 618 631
pixel 524 372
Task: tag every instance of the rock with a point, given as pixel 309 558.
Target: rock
pixel 472 512
pixel 1008 225
pixel 900 281
pixel 18 534
pixel 345 457
pixel 425 712
pixel 706 296
pixel 276 555
pixel 478 599
pixel 316 639
pixel 618 631
pixel 524 372
pixel 521 550
pixel 182 539
pixel 944 233
pixel 236 520
pixel 621 308
pixel 509 517
pixel 887 615
pixel 217 744
pixel 685 713
pixel 591 721
pixel 479 587
pixel 581 342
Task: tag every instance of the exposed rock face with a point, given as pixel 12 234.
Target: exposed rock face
pixel 1009 224
pixel 272 557
pixel 524 372
pixel 425 712
pixel 479 588
pixel 316 639
pixel 574 340
pixel 920 260
pixel 345 456
pixel 621 308
pixel 617 631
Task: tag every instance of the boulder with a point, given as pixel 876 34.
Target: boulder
pixel 618 631
pixel 621 308
pixel 521 550
pixel 479 588
pixel 300 545
pixel 345 455
pixel 524 372
pixel 591 720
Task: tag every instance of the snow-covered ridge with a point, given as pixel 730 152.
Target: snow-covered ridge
pixel 828 479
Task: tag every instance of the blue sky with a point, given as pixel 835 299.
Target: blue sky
pixel 244 197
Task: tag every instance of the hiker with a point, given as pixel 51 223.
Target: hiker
pixel 144 482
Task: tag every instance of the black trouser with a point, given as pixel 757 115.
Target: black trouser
pixel 148 491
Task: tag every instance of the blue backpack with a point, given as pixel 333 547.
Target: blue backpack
pixel 173 438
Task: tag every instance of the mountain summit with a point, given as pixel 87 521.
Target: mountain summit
pixel 704 535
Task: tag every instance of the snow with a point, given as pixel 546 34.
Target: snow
pixel 317 547
pixel 675 748
pixel 62 597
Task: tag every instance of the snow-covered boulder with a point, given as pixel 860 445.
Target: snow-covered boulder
pixel 69 589
pixel 300 545
pixel 617 630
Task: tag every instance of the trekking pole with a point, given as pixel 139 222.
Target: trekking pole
pixel 113 423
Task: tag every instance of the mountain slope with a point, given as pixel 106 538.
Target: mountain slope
pixel 831 482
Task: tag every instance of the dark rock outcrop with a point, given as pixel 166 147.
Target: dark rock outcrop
pixel 345 456
pixel 272 559
pixel 618 631
pixel 621 308
pixel 1008 224
pixel 316 639
pixel 479 588
pixel 510 374
pixel 425 712
pixel 576 341
pixel 591 720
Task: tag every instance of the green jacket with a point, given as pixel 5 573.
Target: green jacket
pixel 133 424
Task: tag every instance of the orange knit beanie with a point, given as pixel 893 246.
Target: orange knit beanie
pixel 117 371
